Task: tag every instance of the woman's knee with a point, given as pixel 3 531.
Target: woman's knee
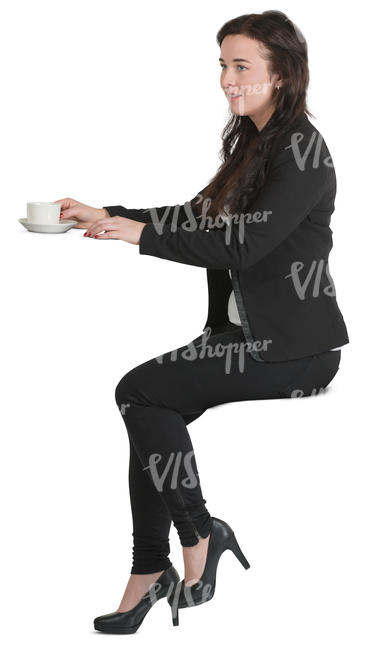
pixel 330 362
pixel 129 391
pixel 318 376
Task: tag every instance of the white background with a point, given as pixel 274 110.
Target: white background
pixel 120 103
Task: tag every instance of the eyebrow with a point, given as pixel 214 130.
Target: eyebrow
pixel 236 60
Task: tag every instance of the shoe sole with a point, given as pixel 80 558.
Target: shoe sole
pixel 116 629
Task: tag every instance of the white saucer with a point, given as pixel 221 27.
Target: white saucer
pixel 63 226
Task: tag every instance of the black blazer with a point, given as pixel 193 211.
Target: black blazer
pixel 277 252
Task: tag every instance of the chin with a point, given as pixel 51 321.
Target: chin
pixel 237 111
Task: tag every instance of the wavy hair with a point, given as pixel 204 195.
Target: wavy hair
pixel 245 150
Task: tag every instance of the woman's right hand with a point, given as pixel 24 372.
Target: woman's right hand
pixel 85 215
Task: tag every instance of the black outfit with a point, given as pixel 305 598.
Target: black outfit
pixel 290 323
pixel 158 398
pixel 272 258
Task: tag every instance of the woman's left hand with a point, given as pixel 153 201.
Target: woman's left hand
pixel 116 228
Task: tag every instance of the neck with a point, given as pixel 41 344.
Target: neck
pixel 261 118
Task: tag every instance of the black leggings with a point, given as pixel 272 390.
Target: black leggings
pixel 158 398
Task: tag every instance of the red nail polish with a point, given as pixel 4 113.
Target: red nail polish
pixel 95 236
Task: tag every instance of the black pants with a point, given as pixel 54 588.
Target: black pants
pixel 160 397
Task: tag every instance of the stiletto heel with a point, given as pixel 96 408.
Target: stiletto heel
pixel 221 538
pixel 173 602
pixel 129 622
pixel 235 548
pixel 175 615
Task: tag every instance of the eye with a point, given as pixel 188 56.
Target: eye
pixel 239 66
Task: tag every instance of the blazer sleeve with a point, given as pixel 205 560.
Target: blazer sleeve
pixel 287 197
pixel 175 215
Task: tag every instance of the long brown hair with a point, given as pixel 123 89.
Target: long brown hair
pixel 246 150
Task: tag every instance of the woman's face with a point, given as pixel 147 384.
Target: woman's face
pixel 247 77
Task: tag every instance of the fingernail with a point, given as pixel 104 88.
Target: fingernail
pixel 95 236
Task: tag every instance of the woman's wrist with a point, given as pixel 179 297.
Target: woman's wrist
pixel 141 226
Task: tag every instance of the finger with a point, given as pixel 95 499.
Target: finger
pixel 111 234
pixel 98 226
pixel 71 213
pixel 65 203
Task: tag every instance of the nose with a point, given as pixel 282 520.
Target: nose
pixel 231 89
pixel 228 79
pixel 229 83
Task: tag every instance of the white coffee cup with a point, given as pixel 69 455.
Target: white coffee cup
pixel 41 212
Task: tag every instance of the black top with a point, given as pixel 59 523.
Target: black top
pixel 278 252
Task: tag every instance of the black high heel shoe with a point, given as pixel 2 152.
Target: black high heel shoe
pixel 129 622
pixel 221 538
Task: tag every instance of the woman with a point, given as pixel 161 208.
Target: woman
pixel 261 229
